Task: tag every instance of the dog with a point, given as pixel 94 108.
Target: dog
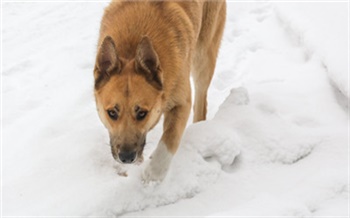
pixel 146 51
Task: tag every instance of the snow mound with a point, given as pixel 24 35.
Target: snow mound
pixel 266 135
pixel 206 148
pixel 213 140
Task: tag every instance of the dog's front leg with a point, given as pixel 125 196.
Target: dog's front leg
pixel 174 124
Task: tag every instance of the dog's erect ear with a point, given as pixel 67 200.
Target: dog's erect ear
pixel 147 63
pixel 107 58
pixel 107 62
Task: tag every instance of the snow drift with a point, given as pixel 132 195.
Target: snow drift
pixel 274 144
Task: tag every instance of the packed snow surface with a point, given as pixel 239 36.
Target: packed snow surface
pixel 275 142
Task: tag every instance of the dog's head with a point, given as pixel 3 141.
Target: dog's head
pixel 128 96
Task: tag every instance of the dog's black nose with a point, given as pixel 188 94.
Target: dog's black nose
pixel 127 157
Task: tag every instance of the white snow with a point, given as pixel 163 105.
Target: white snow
pixel 322 30
pixel 275 143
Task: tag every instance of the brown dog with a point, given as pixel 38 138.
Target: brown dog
pixel 146 52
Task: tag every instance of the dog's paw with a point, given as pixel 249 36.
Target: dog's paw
pixel 158 166
pixel 154 173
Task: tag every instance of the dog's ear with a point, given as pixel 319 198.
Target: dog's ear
pixel 107 61
pixel 147 63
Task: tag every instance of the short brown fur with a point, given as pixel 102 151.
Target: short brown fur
pixel 146 53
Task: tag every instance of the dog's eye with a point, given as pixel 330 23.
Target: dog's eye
pixel 113 114
pixel 141 115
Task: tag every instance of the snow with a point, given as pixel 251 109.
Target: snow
pixel 275 142
pixel 311 27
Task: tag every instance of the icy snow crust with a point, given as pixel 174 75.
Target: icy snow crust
pixel 275 143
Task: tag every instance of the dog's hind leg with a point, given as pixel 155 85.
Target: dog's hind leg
pixel 203 70
pixel 204 60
